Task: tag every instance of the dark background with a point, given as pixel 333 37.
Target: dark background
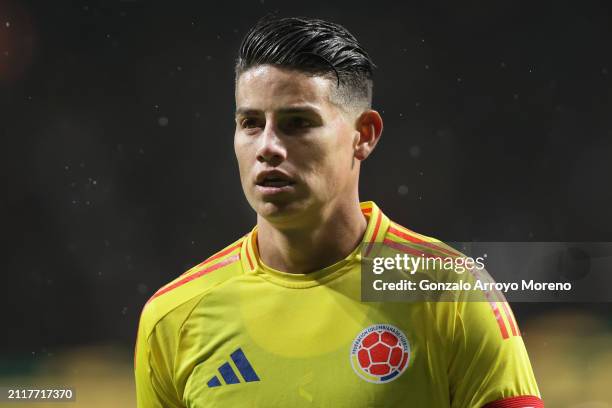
pixel 118 171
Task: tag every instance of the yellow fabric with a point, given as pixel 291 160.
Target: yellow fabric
pixel 296 332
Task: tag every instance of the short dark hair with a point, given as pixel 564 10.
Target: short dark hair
pixel 312 46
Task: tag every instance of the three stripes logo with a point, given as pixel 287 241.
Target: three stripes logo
pixel 229 375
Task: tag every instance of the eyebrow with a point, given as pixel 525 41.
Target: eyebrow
pixel 288 110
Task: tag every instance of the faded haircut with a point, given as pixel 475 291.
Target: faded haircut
pixel 315 47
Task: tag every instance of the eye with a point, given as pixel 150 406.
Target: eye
pixel 250 123
pixel 299 122
pixel 296 124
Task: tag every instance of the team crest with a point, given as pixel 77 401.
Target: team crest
pixel 380 353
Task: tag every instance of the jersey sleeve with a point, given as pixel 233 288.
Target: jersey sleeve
pixel 152 368
pixel 488 363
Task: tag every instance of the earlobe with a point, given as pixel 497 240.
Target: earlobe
pixel 362 147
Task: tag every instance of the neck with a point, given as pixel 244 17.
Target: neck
pixel 327 237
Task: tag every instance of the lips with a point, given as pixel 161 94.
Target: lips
pixel 273 182
pixel 273 178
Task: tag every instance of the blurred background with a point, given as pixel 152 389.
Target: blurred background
pixel 118 173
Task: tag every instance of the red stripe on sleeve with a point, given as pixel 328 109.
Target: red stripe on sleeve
pixel 492 302
pixel 524 401
pixel 401 234
pixel 408 249
pixel 509 318
pixel 500 321
pixel 189 278
pixel 219 255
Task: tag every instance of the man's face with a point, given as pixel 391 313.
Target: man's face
pixel 295 148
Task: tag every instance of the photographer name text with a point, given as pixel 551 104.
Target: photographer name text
pixel 460 285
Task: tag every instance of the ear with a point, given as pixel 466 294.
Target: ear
pixel 370 127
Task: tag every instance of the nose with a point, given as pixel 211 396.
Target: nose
pixel 271 149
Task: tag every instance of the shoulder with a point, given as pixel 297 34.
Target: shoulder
pixel 177 298
pixel 413 243
pixel 480 312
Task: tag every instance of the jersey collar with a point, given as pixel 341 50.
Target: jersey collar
pixel 376 229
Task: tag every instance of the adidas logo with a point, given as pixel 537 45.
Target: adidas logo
pixel 227 372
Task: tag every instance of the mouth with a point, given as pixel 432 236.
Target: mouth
pixel 274 182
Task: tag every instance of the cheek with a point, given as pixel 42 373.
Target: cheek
pixel 341 157
pixel 327 163
pixel 241 151
pixel 340 151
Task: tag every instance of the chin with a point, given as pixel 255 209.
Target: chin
pixel 281 211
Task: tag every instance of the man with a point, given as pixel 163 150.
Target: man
pixel 276 319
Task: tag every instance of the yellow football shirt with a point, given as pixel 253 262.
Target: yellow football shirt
pixel 232 332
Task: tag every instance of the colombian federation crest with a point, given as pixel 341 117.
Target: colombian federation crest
pixel 380 353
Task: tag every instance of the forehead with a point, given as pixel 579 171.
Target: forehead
pixel 267 87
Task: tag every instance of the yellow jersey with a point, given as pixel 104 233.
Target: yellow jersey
pixel 233 332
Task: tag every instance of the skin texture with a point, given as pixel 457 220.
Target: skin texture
pixel 287 122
